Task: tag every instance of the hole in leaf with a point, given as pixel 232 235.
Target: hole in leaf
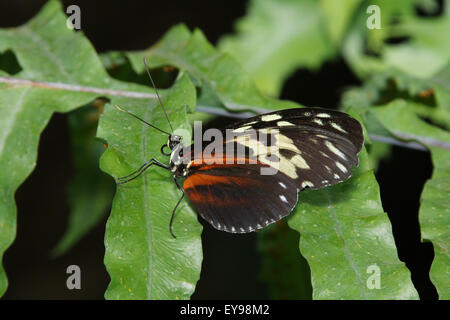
pixel 318 88
pixel 9 63
pixel 430 8
pixel 397 40
pixel 164 77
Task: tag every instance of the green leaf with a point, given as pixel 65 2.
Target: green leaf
pixel 344 232
pixel 220 77
pixel 142 258
pixel 424 52
pixel 427 52
pixel 90 191
pixel 276 37
pixel 60 72
pixel 45 53
pixel 338 16
pixel 434 211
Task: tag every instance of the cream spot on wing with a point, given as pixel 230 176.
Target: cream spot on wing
pixel 258 148
pixel 307 184
pixel 335 150
pixel 288 168
pixel 282 185
pixel 300 162
pixel 323 115
pixel 341 167
pixel 265 130
pixel 318 121
pixel 242 129
pixel 286 143
pixel 337 127
pixel 324 154
pixel 284 124
pixel 336 176
pixel 307 113
pixel 283 198
pixel 270 117
pixel 321 136
pixel 328 168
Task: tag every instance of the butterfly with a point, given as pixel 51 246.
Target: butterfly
pixel 298 148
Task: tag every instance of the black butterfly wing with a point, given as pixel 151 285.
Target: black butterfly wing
pixel 238 199
pixel 309 147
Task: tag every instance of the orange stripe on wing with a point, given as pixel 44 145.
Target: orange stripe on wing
pixel 207 196
pixel 221 159
pixel 200 179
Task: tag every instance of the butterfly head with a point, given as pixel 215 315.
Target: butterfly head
pixel 174 140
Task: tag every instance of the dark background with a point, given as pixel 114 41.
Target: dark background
pixel 231 262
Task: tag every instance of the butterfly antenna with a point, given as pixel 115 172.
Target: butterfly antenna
pixel 132 114
pixel 157 94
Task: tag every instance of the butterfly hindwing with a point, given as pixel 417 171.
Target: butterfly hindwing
pixel 238 199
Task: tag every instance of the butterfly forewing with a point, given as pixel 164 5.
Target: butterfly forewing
pixel 309 147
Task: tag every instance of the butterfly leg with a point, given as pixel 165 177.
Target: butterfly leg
pixel 176 206
pixel 139 171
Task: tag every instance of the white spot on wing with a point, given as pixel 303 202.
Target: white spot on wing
pixel 323 115
pixel 299 162
pixel 242 129
pixel 335 150
pixel 270 117
pixel 284 124
pixel 324 154
pixel 283 198
pixel 318 121
pixel 337 127
pixel 282 185
pixel 341 167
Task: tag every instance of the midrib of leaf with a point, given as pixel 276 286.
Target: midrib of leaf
pixel 347 253
pixel 6 131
